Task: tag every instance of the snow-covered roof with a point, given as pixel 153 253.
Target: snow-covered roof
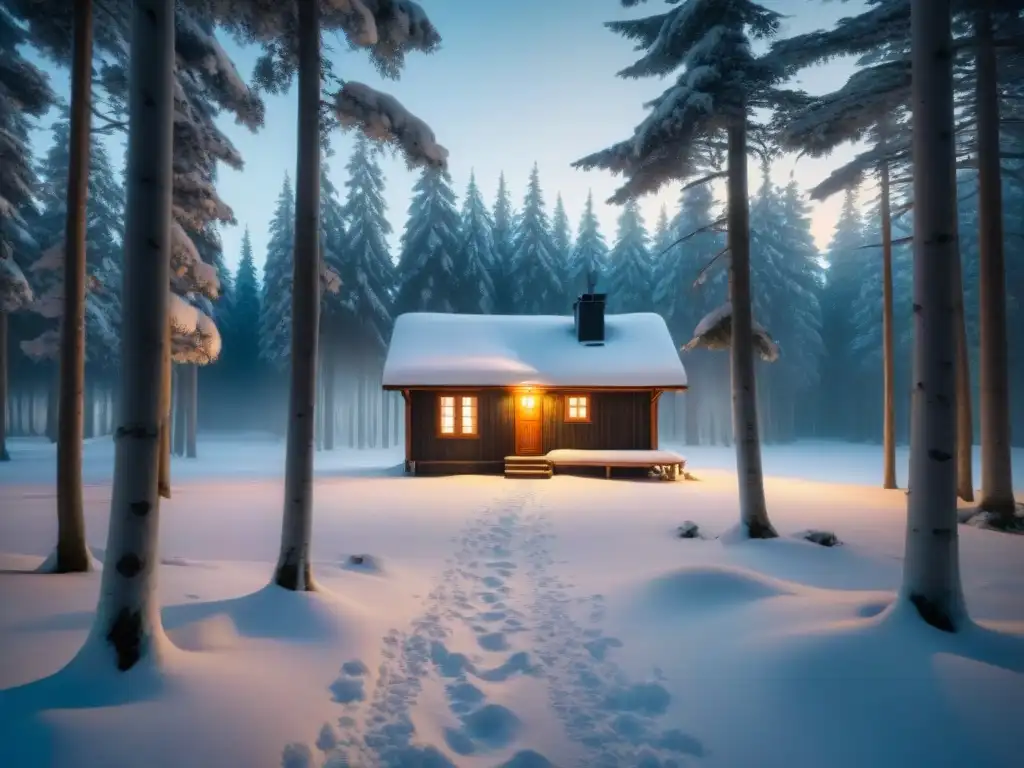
pixel 434 349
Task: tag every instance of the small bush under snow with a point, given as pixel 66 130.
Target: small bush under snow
pixel 688 530
pixel 822 538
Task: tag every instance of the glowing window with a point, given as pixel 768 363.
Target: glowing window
pixel 577 408
pixel 468 425
pixel 457 416
pixel 447 415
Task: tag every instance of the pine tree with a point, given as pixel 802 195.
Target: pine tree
pixel 103 252
pixel 430 247
pixel 538 287
pixel 843 280
pixel 681 302
pixel 589 261
pixel 24 93
pixel 795 315
pixel 630 279
pixel 503 232
pixel 276 298
pixel 561 234
pixel 719 81
pixel 242 350
pixel 368 273
pixel 866 347
pixel 474 265
pixel 335 309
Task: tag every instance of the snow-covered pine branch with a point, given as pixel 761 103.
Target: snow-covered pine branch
pixel 383 118
pixel 388 28
pixel 188 265
pixel 23 83
pixel 714 331
pixel 849 114
pixel 851 174
pixel 15 292
pixel 45 346
pixel 197 49
pixel 194 336
pixel 886 24
pixel 330 280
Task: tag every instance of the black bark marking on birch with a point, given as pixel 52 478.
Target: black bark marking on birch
pixel 937 455
pixel 758 530
pixel 932 614
pixel 140 508
pixel 126 636
pixel 129 565
pixel 917 309
pixel 287 575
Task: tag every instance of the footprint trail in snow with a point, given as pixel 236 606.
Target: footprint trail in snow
pixel 497 615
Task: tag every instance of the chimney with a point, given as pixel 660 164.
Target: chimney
pixel 588 316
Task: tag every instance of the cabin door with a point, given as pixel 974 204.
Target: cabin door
pixel 528 427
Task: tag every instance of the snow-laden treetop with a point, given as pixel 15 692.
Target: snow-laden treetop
pixel 388 29
pixel 721 80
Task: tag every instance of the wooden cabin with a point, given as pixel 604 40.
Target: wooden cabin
pixel 481 389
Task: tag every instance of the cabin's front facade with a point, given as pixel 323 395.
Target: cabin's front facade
pixel 481 388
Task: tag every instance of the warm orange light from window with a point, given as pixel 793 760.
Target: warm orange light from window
pixel 528 402
pixel 469 416
pixel 577 408
pixel 447 415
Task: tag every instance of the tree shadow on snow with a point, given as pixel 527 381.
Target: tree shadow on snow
pixel 28 731
pixel 270 613
pixel 887 673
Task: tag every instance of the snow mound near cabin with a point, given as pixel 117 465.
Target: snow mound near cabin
pixel 270 613
pixel 708 587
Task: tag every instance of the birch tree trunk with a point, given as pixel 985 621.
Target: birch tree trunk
pixel 328 373
pixel 166 368
pixel 128 616
pixel 4 394
pixel 293 568
pixel 753 507
pixel 964 422
pixel 931 568
pixel 996 468
pixel 888 347
pixel 191 389
pixel 177 411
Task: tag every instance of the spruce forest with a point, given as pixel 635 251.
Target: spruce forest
pixel 649 436
pixel 824 308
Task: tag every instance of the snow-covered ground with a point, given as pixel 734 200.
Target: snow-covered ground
pixel 522 623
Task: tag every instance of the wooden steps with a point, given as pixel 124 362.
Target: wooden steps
pixel 527 467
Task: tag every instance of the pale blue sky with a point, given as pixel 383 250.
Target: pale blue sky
pixel 514 83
